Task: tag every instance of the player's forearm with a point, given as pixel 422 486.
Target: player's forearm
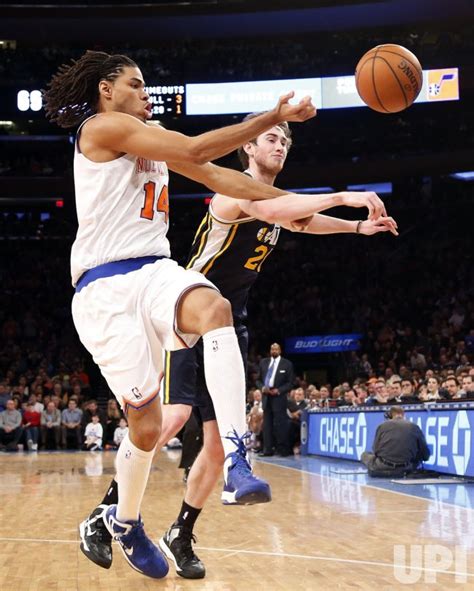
pixel 325 224
pixel 290 207
pixel 219 142
pixel 238 185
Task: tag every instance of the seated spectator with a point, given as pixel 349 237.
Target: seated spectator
pixel 432 387
pixel 93 435
pixel 10 427
pixel 408 395
pixel 5 395
pixel 120 432
pixel 77 391
pixel 255 420
pixel 90 409
pixel 71 426
pixel 295 410
pixel 33 401
pixel 467 387
pixel 450 385
pixel 31 425
pixel 394 390
pixel 338 396
pixel 314 397
pixel 22 394
pixel 361 392
pixel 50 426
pixel 381 393
pixel 80 376
pixel 350 398
pixel 113 417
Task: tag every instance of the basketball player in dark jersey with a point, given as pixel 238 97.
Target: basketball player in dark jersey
pixel 230 248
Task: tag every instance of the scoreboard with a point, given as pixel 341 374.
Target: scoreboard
pixel 27 102
pixel 167 100
pixel 175 100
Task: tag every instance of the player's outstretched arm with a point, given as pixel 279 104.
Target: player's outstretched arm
pixel 226 181
pixel 294 207
pixel 324 224
pixel 123 133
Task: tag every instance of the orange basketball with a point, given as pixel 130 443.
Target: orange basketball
pixel 388 78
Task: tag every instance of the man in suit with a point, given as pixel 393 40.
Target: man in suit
pixel 276 379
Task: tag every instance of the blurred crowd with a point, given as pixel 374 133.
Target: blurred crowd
pixel 286 56
pixel 52 413
pixel 411 297
pixel 412 386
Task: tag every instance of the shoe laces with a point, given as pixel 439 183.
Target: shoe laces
pixel 240 442
pixel 240 464
pixel 96 520
pixel 136 531
pixel 102 532
pixel 186 536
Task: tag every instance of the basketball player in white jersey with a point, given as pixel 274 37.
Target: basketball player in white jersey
pixel 131 300
pixel 265 157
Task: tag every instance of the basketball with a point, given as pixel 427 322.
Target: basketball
pixel 388 78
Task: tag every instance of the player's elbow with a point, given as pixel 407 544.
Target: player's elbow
pixel 197 152
pixel 263 210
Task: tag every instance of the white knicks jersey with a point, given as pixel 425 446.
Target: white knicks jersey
pixel 122 209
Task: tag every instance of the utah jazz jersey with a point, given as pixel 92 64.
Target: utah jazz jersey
pixel 231 255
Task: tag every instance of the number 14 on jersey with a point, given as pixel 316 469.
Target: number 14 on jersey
pixel 162 202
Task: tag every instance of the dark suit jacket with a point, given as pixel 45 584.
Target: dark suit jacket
pixel 283 376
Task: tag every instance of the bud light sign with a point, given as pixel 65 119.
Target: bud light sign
pixel 331 343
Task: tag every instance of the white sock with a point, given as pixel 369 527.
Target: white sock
pixel 133 467
pixel 225 379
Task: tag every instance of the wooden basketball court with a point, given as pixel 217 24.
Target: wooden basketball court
pixel 322 530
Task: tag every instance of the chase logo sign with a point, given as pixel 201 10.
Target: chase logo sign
pixel 461 442
pixel 344 435
pixel 331 343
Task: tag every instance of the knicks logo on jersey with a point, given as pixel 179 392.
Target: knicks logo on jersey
pixel 144 165
pixel 268 236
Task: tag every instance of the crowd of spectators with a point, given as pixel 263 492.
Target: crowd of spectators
pixel 412 386
pixel 285 56
pixel 55 414
pixel 411 298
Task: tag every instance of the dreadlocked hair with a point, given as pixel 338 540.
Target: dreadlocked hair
pixel 72 94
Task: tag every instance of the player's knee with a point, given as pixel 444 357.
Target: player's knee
pixel 175 416
pixel 147 435
pixel 217 314
pixel 214 451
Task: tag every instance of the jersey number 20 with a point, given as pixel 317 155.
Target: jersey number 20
pixel 162 205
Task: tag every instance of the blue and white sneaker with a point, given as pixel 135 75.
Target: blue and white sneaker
pixel 139 551
pixel 241 487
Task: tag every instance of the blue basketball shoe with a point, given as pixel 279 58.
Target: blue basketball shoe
pixel 241 487
pixel 138 550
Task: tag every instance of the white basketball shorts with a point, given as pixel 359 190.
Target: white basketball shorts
pixel 126 321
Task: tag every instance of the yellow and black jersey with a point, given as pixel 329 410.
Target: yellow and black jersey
pixel 231 255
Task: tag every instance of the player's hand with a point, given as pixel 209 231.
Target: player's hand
pixel 296 113
pixel 383 224
pixel 367 199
